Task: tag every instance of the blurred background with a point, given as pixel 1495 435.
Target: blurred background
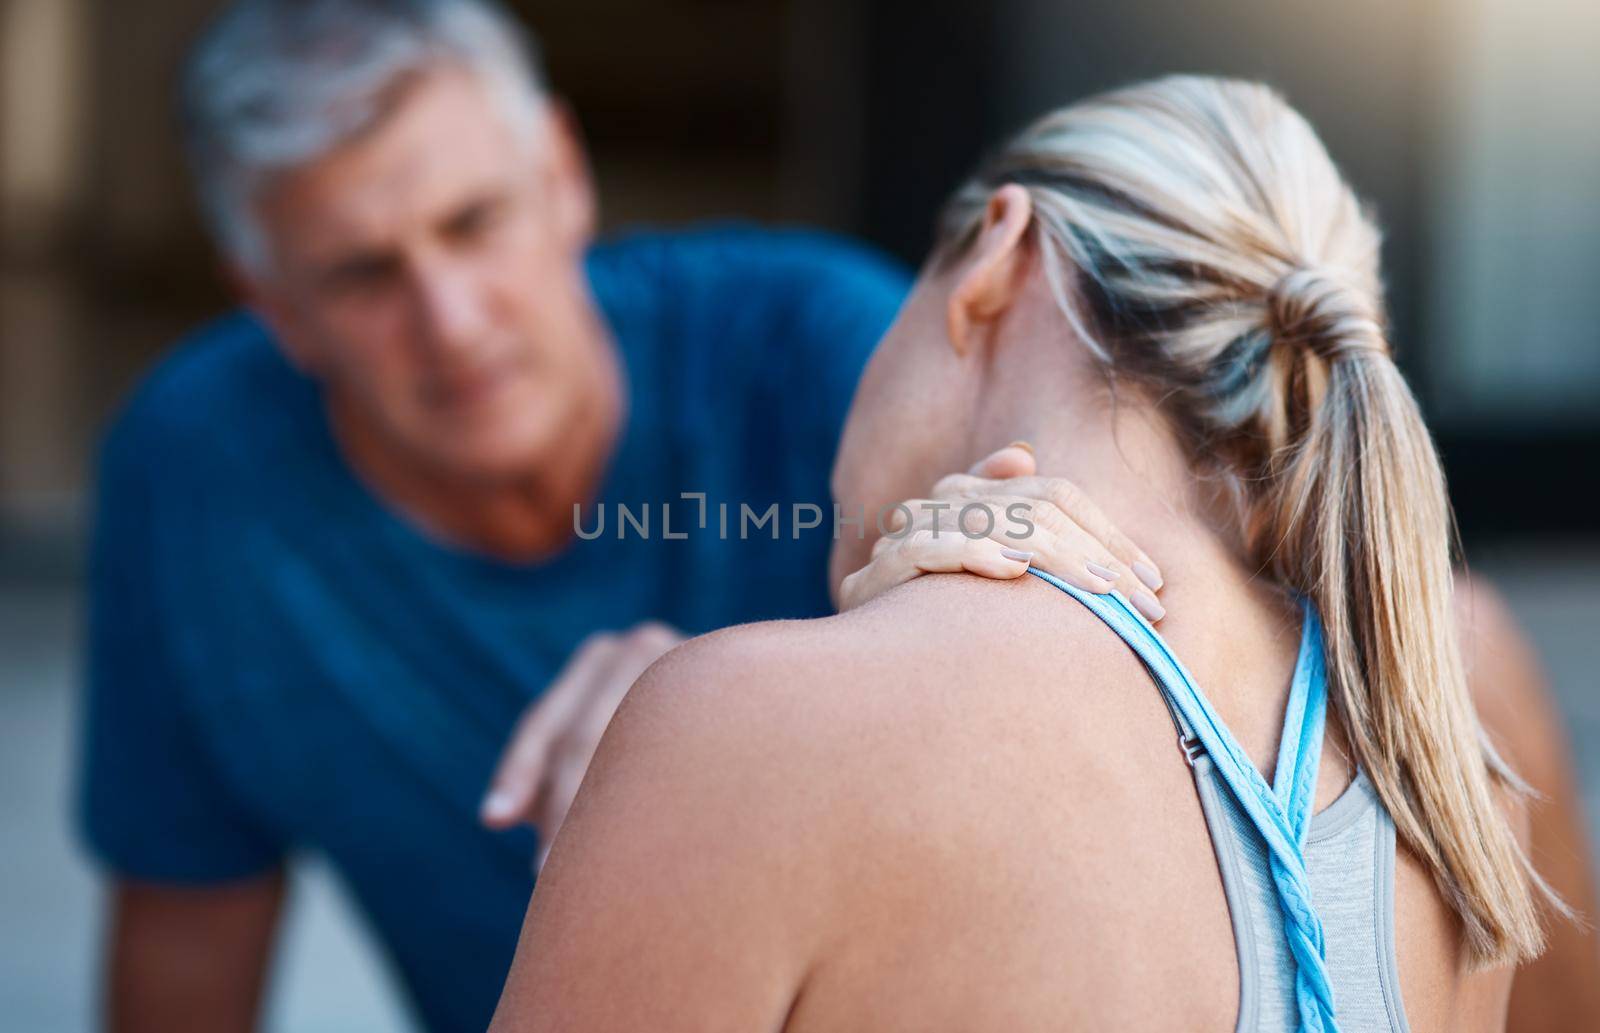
pixel 1472 125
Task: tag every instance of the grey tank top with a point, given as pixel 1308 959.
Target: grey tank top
pixel 1350 857
pixel 1349 853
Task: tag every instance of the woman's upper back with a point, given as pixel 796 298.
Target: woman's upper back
pixel 1053 861
pixel 960 807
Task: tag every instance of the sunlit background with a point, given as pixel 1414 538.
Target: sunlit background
pixel 1472 125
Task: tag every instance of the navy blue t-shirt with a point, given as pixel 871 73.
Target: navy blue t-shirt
pixel 280 663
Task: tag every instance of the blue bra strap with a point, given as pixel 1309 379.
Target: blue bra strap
pixel 1281 812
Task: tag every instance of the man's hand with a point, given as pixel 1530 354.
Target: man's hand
pixel 1071 537
pixel 555 739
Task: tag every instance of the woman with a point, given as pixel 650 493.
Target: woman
pixel 960 806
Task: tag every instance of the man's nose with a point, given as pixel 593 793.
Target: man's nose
pixel 453 309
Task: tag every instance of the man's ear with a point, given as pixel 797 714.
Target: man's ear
pixel 987 280
pixel 268 303
pixel 568 163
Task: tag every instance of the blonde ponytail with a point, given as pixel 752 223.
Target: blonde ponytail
pixel 1355 515
pixel 1204 245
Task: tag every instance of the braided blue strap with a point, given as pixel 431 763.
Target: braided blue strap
pixel 1281 812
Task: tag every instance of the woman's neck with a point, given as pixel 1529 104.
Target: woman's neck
pixel 1111 443
pixel 1126 459
pixel 1114 444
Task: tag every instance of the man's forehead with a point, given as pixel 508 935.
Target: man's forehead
pixel 444 143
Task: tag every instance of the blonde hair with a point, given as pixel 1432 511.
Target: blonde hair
pixel 1202 242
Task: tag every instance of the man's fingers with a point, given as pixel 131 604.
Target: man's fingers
pixel 653 635
pixel 573 742
pixel 572 746
pixel 575 745
pixel 637 650
pixel 516 781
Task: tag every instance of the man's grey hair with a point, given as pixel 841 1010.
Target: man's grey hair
pixel 273 84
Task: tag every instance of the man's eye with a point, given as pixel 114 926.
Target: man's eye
pixel 362 274
pixel 474 221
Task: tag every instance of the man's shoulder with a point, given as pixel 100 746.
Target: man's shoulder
pixel 220 382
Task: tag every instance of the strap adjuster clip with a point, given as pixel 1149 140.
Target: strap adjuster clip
pixel 1192 748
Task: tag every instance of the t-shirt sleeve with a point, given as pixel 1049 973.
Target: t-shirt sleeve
pixel 151 803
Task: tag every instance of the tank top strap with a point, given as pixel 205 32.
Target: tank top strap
pixel 1281 812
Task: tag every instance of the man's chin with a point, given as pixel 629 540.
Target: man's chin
pixel 491 464
pixel 490 445
pixel 486 457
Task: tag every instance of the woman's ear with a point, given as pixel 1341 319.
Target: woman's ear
pixel 987 281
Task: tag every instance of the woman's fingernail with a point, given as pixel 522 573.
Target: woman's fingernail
pixel 1103 573
pixel 1148 574
pixel 498 804
pixel 1017 554
pixel 1022 445
pixel 1147 605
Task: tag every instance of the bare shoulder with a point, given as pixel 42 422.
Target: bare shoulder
pixel 691 857
pixel 817 802
pixel 945 651
pixel 720 729
pixel 940 712
pixel 820 721
pixel 974 777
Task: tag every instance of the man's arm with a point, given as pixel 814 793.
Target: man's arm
pixel 195 876
pixel 182 958
pixel 1561 990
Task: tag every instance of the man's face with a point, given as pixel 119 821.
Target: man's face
pixel 429 274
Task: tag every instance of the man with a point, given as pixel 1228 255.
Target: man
pixel 335 556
